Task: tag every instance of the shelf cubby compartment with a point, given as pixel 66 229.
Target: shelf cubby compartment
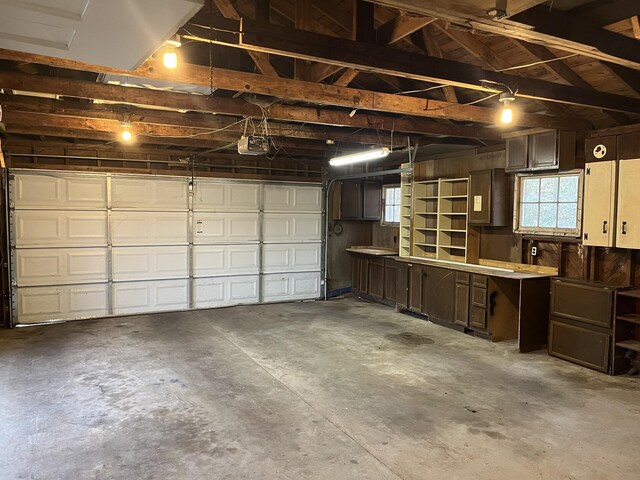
pixel 626 330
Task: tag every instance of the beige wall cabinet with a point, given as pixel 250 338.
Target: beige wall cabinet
pixel 628 218
pixel 598 225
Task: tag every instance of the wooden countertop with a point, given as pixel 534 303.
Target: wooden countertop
pixel 374 251
pixel 479 269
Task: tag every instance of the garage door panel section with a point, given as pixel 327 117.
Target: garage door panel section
pixel 150 263
pixel 292 228
pixel 148 194
pixel 53 228
pixel 279 287
pixel 60 266
pixel 150 296
pixel 226 260
pixel 63 302
pixel 226 291
pixel 226 228
pixel 301 257
pixel 224 197
pixel 59 192
pixel 149 228
pixel 292 198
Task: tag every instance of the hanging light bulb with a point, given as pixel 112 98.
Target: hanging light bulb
pixel 126 135
pixel 506 116
pixel 170 57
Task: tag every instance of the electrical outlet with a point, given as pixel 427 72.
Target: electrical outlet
pixel 534 251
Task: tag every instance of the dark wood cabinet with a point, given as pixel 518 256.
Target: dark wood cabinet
pixel 489 198
pixel 415 288
pixel 628 146
pixel 372 200
pixel 438 294
pixel 517 150
pixel 376 277
pixel 402 286
pixel 546 150
pixel 361 200
pixel 581 322
pixel 351 201
pixel 461 314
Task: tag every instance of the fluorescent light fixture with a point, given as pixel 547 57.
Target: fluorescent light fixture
pixel 359 157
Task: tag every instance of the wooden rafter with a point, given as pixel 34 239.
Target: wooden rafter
pixel 228 106
pixel 358 55
pixel 433 50
pixel 303 91
pixel 261 59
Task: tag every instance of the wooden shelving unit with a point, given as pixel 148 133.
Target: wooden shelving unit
pixel 626 330
pixel 452 219
pixel 425 218
pixel 405 213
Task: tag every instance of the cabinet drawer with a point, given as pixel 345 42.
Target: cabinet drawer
pixel 579 345
pixel 478 318
pixel 462 277
pixel 480 280
pixel 479 296
pixel 582 302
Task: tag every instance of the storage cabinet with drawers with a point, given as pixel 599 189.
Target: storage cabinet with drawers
pixel 581 322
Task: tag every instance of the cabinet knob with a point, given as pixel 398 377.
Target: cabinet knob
pixel 604 226
pixel 624 228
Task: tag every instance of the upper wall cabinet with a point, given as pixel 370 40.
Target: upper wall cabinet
pixel 547 150
pixel 489 198
pixel 361 200
pixel 599 204
pixel 628 219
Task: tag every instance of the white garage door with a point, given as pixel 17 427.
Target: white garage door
pixel 91 245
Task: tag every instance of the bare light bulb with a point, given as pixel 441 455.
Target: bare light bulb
pixel 126 136
pixel 506 116
pixel 170 59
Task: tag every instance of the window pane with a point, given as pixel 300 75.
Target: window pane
pixel 549 189
pixel 548 215
pixel 529 215
pixel 388 213
pixel 396 195
pixel 569 189
pixel 567 215
pixel 396 214
pixel 531 188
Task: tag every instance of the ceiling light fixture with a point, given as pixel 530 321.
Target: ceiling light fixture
pixel 126 135
pixel 359 157
pixel 506 115
pixel 170 57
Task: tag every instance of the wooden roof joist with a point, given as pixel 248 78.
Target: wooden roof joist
pixel 274 39
pixel 297 90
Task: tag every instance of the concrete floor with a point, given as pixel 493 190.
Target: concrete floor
pixel 328 390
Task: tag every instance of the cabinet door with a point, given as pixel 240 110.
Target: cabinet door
pixel 478 318
pixel 628 219
pixel 461 316
pixel 517 153
pixel 402 286
pixel 543 151
pixel 351 200
pixel 438 295
pixel 372 201
pixel 415 288
pixel 599 204
pixel 355 274
pixel 376 277
pixel 363 286
pixel 480 197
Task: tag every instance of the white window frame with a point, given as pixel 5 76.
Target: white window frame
pixel 546 231
pixel 383 220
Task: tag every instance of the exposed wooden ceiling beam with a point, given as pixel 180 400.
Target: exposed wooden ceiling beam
pixel 400 27
pixel 301 91
pixel 358 55
pixel 433 50
pixel 208 104
pixel 261 59
pixel 228 124
pixel 562 70
pixel 570 28
pixel 566 34
pixel 635 23
pixel 606 12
